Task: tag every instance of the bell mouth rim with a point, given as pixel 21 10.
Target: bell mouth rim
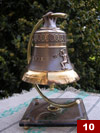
pixel 47 78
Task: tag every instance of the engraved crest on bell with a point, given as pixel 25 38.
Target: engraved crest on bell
pixel 65 58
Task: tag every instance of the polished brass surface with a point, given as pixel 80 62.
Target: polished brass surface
pixel 35 77
pixel 52 86
pixel 58 105
pixel 26 127
pixel 30 39
pixel 53 108
pixel 45 77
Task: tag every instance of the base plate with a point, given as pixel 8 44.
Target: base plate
pixel 37 114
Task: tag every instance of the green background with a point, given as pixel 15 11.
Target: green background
pixel 18 17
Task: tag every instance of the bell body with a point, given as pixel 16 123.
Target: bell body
pixel 50 62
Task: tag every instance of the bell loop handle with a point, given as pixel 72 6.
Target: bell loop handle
pixel 49 14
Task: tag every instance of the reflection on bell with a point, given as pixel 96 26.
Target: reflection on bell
pixel 50 62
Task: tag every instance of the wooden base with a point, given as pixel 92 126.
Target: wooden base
pixel 37 114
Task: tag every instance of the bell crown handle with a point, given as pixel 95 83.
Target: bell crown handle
pixel 57 15
pixel 50 19
pixel 49 15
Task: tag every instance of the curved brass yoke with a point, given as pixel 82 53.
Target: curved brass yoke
pixel 30 39
pixel 56 104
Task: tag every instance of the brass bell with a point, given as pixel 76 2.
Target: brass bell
pixel 49 62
